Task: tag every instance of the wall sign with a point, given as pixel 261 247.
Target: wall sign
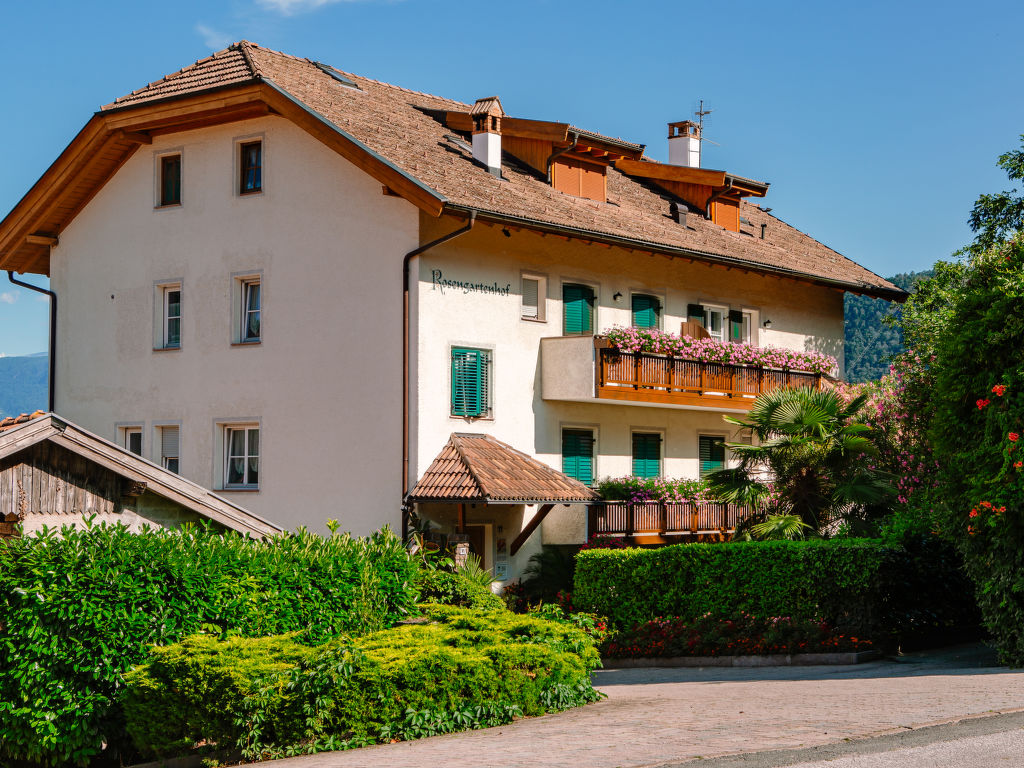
pixel 441 283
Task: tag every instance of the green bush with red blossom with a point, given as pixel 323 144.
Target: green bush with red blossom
pixel 738 635
pixel 975 429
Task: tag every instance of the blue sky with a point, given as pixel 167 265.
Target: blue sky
pixel 878 123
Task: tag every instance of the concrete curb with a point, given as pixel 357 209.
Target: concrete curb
pixel 773 660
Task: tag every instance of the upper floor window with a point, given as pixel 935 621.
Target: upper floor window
pixel 471 382
pixel 251 167
pixel 578 454
pixel 646 311
pixel 739 326
pixel 242 456
pixel 578 309
pixel 534 293
pixel 250 304
pixel 714 322
pixel 172 316
pixel 170 449
pixel 132 439
pixel 170 179
pixel 722 323
pixel 646 454
pixel 711 454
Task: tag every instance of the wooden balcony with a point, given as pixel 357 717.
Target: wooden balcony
pixel 647 378
pixel 661 523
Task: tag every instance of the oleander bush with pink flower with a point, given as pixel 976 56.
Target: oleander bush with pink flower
pixel 658 342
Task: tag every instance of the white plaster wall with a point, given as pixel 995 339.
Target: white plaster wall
pixel 325 382
pixel 803 317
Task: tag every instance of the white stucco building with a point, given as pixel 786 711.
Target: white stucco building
pixel 292 285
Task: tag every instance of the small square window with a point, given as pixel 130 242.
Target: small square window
pixel 170 180
pixel 534 292
pixel 172 316
pixel 242 456
pixel 251 167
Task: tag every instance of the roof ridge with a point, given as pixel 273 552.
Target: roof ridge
pixel 245 47
pixel 454 441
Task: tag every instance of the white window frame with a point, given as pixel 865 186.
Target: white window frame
pixel 542 298
pixel 229 429
pixel 239 298
pixel 126 428
pixel 161 301
pixel 724 311
pixel 158 446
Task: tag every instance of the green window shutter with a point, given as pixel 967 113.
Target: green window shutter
pixel 469 386
pixel 646 454
pixel 645 311
pixel 711 454
pixel 578 454
pixel 735 325
pixel 578 309
pixel 695 313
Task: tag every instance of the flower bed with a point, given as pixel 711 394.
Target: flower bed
pixel 741 635
pixel 657 342
pixel 662 489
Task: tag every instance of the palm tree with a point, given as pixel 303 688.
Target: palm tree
pixel 808 457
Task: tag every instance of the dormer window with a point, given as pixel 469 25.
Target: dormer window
pixel 580 178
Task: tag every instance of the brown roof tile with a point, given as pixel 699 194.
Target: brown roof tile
pixel 13 421
pixel 474 467
pixel 397 124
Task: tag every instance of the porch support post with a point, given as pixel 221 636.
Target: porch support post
pixel 530 528
pixel 461 524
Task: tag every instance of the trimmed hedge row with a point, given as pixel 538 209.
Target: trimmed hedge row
pixel 79 609
pixel 888 592
pixel 272 696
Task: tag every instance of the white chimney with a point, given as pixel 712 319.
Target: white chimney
pixel 684 144
pixel 487 114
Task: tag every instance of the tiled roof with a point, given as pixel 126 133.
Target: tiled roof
pixel 473 467
pixel 404 127
pixel 13 421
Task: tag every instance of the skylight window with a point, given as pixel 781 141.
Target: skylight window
pixel 335 74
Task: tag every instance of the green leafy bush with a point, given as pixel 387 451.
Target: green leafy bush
pixel 464 669
pixel 860 586
pixel 78 610
pixel 448 588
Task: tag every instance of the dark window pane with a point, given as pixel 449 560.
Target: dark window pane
pixel 170 180
pixel 252 172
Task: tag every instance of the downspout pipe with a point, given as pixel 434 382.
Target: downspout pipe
pixel 555 155
pixel 405 358
pixel 720 193
pixel 52 384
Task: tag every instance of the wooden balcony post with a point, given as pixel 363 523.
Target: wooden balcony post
pixel 662 518
pixel 630 511
pixel 694 522
pixel 636 370
pixel 725 517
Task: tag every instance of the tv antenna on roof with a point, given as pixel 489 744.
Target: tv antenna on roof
pixel 700 113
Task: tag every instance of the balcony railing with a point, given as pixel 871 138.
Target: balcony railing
pixel 660 520
pixel 643 377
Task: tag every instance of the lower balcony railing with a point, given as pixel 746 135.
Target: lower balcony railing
pixel 662 519
pixel 644 377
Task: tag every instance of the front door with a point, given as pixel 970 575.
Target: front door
pixel 477 540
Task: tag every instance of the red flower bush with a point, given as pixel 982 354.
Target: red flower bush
pixel 999 389
pixel 982 403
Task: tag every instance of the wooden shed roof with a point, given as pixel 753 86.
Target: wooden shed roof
pixel 21 432
pixel 475 467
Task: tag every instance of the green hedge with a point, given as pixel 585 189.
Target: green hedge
pixel 447 588
pixel 889 592
pixel 271 697
pixel 79 609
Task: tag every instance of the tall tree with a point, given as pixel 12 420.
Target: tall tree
pixel 997 216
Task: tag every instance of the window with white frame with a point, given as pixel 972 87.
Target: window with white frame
pixel 170 447
pixel 250 301
pixel 715 321
pixel 242 456
pixel 534 297
pixel 171 316
pixel 131 439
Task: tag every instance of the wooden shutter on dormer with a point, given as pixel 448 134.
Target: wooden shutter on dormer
pixel 725 212
pixel 575 177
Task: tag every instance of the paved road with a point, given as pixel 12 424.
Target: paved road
pixel 659 717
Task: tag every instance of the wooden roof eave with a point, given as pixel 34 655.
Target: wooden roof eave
pixel 112 136
pixel 594 236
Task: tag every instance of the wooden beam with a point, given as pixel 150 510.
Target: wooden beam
pixel 531 526
pixel 139 137
pixel 40 238
pixel 460 526
pixel 646 169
